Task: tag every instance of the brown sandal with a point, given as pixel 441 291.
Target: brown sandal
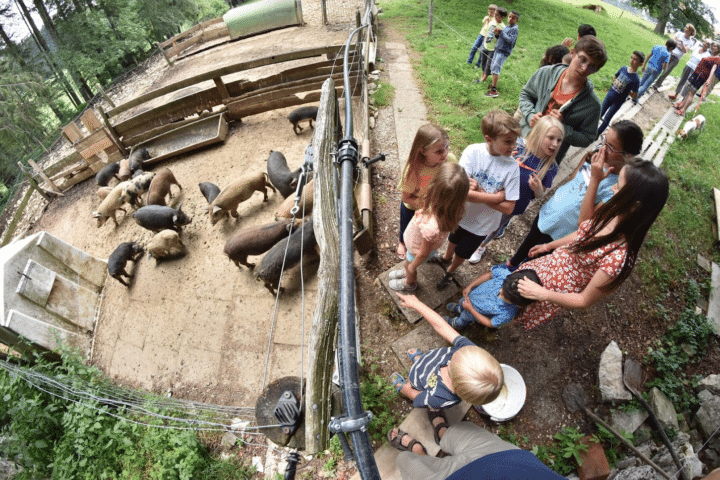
pixel 397 441
pixel 432 415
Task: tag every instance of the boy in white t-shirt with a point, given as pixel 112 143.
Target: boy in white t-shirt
pixel 494 188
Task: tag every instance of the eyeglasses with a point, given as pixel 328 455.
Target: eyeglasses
pixel 603 141
pixel 586 62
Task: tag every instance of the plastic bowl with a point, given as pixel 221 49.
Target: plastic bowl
pixel 511 398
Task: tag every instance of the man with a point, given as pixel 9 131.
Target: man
pixel 684 42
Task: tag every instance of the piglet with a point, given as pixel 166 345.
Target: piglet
pixel 209 191
pixel 137 157
pixel 136 187
pixel 305 205
pixel 166 245
pixel 280 175
pixel 112 202
pixel 300 114
pixel 256 240
pixel 158 217
pixel 128 251
pixel 269 269
pixel 124 173
pixel 103 177
pixel 235 193
pixel 160 187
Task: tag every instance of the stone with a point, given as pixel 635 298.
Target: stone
pixel 594 463
pixel 228 440
pixel 708 416
pixel 610 375
pixel 711 383
pixel 628 421
pixel 646 472
pixel 663 408
pixel 627 463
pixel 704 396
pixel 258 464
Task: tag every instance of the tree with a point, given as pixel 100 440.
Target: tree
pixel 679 13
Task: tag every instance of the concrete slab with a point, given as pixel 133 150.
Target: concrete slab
pixel 428 275
pixel 422 337
pixel 714 300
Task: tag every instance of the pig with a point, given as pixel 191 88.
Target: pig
pixel 235 193
pixel 256 240
pixel 166 244
pixel 269 269
pixel 136 187
pixel 697 123
pixel 160 187
pixel 209 191
pixel 110 205
pixel 103 192
pixel 280 175
pixel 124 172
pixel 306 201
pixel 107 173
pixel 158 217
pixel 128 251
pixel 300 114
pixel 137 157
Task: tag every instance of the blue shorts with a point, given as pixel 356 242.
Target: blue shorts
pixel 411 258
pixel 498 61
pixel 466 242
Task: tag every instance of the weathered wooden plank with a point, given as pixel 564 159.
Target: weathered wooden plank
pixel 72 132
pixel 90 120
pixel 716 193
pixel 113 133
pixel 132 141
pixel 190 31
pixel 309 83
pixel 58 166
pixel 323 332
pixel 77 178
pixel 227 70
pixel 45 178
pixel 91 140
pixel 268 94
pixel 72 170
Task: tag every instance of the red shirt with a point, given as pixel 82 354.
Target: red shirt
pixel 704 67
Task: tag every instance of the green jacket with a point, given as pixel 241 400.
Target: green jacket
pixel 580 115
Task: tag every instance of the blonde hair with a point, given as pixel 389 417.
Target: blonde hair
pixel 692 29
pixel 534 140
pixel 497 122
pixel 427 135
pixel 446 195
pixel 477 376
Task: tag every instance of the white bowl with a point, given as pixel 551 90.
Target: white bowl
pixel 511 398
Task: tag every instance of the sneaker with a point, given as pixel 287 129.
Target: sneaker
pixel 501 233
pixel 475 258
pixel 397 274
pixel 492 93
pixel 453 307
pixel 444 282
pixel 456 322
pixel 399 285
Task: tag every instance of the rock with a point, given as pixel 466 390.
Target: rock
pixel 628 421
pixel 627 463
pixel 646 472
pixel 258 464
pixel 708 416
pixel 663 408
pixel 704 396
pixel 611 375
pixel 572 476
pixel 371 123
pixel 711 383
pixel 594 463
pixel 228 441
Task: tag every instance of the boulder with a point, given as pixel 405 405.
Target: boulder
pixel 646 472
pixel 663 408
pixel 708 416
pixel 711 383
pixel 610 375
pixel 628 421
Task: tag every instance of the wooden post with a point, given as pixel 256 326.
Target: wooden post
pixel 323 4
pixel 112 132
pixel 45 178
pixel 323 333
pixel 430 18
pixel 33 183
pixel 167 59
pixel 105 95
pixel 221 88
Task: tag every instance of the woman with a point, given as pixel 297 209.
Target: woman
pixel 587 265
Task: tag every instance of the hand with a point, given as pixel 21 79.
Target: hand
pixel 568 42
pixel 536 185
pixel 597 165
pixel 642 69
pixel 467 304
pixel 539 249
pixel 408 301
pixel 498 31
pixel 474 185
pixel 556 113
pixel 534 119
pixel 531 290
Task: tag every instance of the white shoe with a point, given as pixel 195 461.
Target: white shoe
pixel 475 258
pixel 397 274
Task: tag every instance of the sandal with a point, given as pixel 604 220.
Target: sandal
pixel 444 282
pixel 454 307
pixel 416 353
pixel 397 274
pixel 397 441
pixel 399 285
pixel 432 415
pixel 397 381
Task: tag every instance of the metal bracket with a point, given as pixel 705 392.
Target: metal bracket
pixel 287 412
pixel 345 424
pixel 347 150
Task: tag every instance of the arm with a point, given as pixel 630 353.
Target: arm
pixel 480 196
pixel 588 297
pixel 647 59
pixel 505 207
pixel 481 279
pixel 509 36
pixel 433 318
pixel 467 305
pixel 549 247
pixel 411 199
pixel 536 186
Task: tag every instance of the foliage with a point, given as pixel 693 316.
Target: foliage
pixel 611 443
pixel 51 436
pixel 687 341
pixel 378 396
pixel 680 13
pixel 563 455
pixel 384 94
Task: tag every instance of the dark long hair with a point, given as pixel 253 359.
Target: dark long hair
pixel 636 205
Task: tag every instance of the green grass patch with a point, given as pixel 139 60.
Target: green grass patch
pixel 384 94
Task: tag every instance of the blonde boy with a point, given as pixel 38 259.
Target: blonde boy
pixel 483 31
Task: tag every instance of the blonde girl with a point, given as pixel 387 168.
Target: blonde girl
pixel 428 152
pixel 537 171
pixel 440 211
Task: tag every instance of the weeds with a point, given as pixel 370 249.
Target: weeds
pixel 378 396
pixel 384 94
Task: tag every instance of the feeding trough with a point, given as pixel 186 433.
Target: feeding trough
pixel 511 398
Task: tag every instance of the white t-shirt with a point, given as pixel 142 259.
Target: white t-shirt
pixel 695 58
pixel 689 44
pixel 493 173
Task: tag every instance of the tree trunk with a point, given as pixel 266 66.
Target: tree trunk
pixel 12 48
pixel 663 18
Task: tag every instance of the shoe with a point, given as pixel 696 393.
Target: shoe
pixel 476 81
pixel 475 257
pixel 438 258
pixel 432 415
pixel 456 323
pixel 397 274
pixel 454 308
pixel 501 233
pixel 444 282
pixel 672 96
pixel 399 285
pixel 416 352
pixel 476 67
pixel 492 93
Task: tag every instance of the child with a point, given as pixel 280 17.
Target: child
pixel 536 159
pixel 655 64
pixel 506 42
pixel 442 208
pixel 625 82
pixel 685 41
pixel 428 152
pixel 583 30
pixel 442 377
pixel 488 48
pixel 483 31
pixel 492 299
pixel 496 185
pixel 554 55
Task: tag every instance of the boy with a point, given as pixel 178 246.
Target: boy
pixel 494 188
pixel 506 42
pixel 654 64
pixel 488 48
pixel 483 31
pixel 565 92
pixel 625 82
pixel 442 377
pixel 685 41
pixel 583 29
pixel 494 302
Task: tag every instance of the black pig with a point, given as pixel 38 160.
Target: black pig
pixel 280 175
pixel 300 114
pixel 269 269
pixel 158 217
pixel 102 178
pixel 128 251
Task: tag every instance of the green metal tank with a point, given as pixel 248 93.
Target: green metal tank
pixel 262 15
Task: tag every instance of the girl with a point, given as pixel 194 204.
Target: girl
pixel 428 152
pixel 537 161
pixel 442 208
pixel 587 265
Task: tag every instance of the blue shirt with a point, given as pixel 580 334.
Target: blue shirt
pixel 526 193
pixel 506 465
pixel 625 82
pixel 506 40
pixel 486 301
pixel 559 216
pixel 658 56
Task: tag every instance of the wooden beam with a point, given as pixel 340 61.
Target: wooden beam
pixel 33 183
pixel 105 95
pixel 45 178
pixel 167 59
pixel 221 88
pixel 112 132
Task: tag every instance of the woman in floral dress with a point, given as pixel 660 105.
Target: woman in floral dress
pixel 587 265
